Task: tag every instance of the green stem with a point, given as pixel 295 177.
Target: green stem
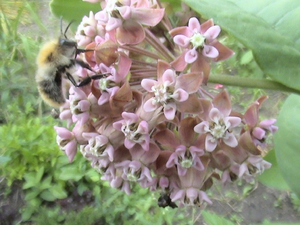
pixel 249 83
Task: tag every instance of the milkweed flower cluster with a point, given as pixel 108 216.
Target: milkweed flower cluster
pixel 149 120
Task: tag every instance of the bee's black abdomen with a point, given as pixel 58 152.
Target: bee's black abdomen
pixel 52 91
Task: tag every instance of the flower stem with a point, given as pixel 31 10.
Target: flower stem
pixel 249 83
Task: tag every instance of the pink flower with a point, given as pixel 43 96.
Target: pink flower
pixel 217 123
pixel 255 133
pixel 66 141
pixel 169 90
pixel 88 29
pixel 185 158
pixel 126 18
pixel 217 128
pixel 200 39
pixel 134 171
pixel 135 131
pixel 98 146
pixel 200 43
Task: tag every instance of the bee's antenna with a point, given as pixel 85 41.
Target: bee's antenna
pixel 61 31
pixel 68 28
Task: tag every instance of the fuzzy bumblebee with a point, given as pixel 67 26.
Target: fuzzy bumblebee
pixel 55 62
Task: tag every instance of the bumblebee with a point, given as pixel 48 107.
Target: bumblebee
pixel 55 62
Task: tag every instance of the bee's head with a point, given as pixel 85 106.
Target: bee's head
pixel 68 47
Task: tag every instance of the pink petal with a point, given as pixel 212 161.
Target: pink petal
pixel 202 127
pixel 267 123
pixel 143 127
pixel 203 196
pixel 123 67
pixel 149 106
pixel 234 121
pixel 192 194
pixel 210 51
pixel 169 111
pixel 224 52
pixel 130 117
pixel 251 115
pixel 186 31
pixel 164 182
pixel 178 195
pixel 258 133
pixel 179 63
pixel 125 11
pixel 189 82
pixel 71 149
pixel 182 40
pixel 215 115
pixel 210 143
pixel 169 75
pixel 128 144
pixel 63 133
pixel 147 84
pixel 101 16
pixel 194 24
pixel 201 65
pixel 84 105
pixel 147 16
pixel 112 24
pixel 130 33
pixel 171 161
pixel 230 140
pixel 103 98
pixel 206 25
pixel 180 95
pixel 191 56
pixel 222 102
pixel 212 32
pixel 110 152
pixel 118 125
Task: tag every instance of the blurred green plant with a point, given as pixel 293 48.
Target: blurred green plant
pixel 17 61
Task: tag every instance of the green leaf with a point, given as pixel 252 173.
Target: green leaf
pixel 274 51
pixel 58 191
pixel 73 9
pixel 272 177
pixel 47 196
pixel 214 219
pixel 4 159
pixel 281 14
pixel 71 172
pixel 82 188
pixel 31 194
pixel 287 142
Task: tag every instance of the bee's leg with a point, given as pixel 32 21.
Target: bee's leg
pixel 78 50
pixel 71 78
pixel 88 80
pixel 82 64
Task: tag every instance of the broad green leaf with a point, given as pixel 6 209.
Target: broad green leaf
pixel 73 9
pixel 272 177
pixel 214 219
pixel 70 173
pixel 31 194
pixel 287 142
pixel 4 159
pixel 58 191
pixel 283 15
pixel 47 196
pixel 273 50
